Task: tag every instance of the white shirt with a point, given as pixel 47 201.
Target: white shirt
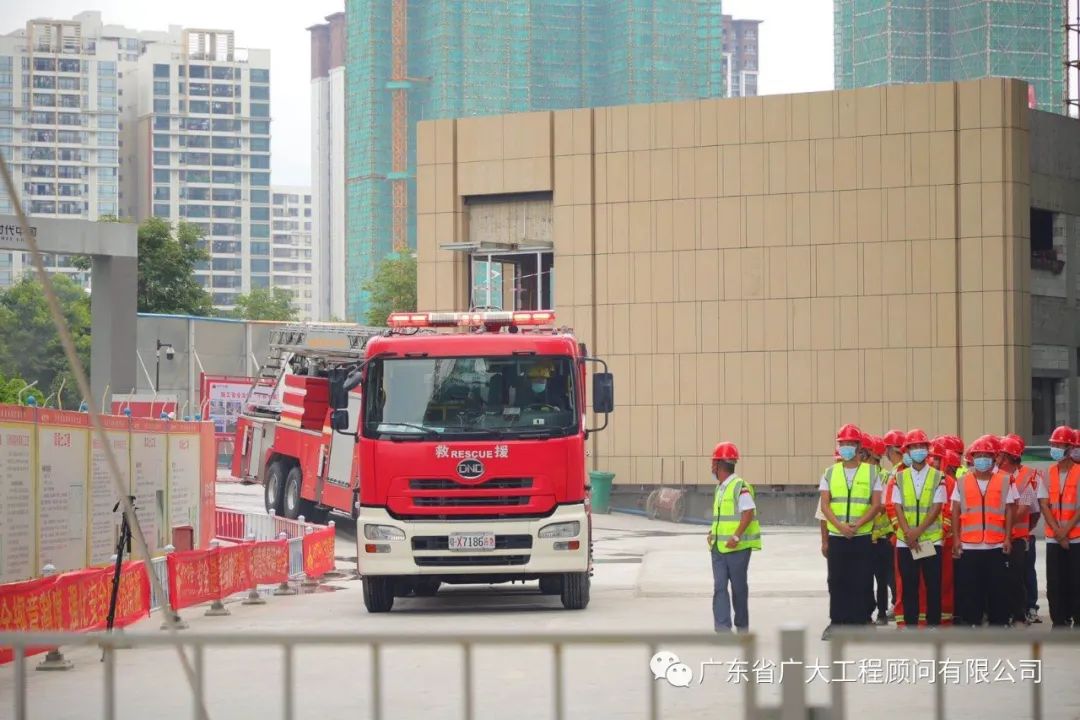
pixel 918 477
pixel 849 474
pixel 1011 498
pixel 745 500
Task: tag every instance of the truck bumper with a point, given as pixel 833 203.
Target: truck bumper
pixel 520 551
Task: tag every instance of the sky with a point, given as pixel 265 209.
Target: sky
pixel 795 49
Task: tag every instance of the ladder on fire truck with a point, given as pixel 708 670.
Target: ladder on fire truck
pixel 332 343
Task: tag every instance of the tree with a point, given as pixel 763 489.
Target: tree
pixel 167 282
pixel 392 288
pixel 29 344
pixel 10 392
pixel 265 304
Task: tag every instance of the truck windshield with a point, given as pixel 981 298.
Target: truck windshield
pixel 526 396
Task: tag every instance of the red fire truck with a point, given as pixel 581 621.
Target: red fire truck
pixel 457 442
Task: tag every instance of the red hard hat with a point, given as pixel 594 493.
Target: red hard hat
pixel 937 447
pixel 726 451
pixel 877 446
pixel 915 437
pixel 1063 434
pixel 1017 438
pixel 985 444
pixel 1012 445
pixel 894 438
pixel 951 461
pixel 952 442
pixel 849 433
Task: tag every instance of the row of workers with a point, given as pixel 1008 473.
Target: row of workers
pixel 948 531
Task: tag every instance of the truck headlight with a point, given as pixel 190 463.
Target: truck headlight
pixel 561 530
pixel 383 532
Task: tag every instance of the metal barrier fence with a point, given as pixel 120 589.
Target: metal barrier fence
pixel 240 526
pixel 376 641
pixel 296 558
pixel 160 567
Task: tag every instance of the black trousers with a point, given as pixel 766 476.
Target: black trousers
pixel 1063 583
pixel 1018 569
pixel 850 576
pixel 929 569
pixel 982 587
pixel 884 583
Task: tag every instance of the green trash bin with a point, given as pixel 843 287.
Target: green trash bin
pixel 600 492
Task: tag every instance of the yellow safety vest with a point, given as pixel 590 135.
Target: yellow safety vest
pixel 916 508
pixel 726 518
pixel 882 524
pixel 849 504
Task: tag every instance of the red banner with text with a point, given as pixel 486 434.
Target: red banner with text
pixel 319 552
pixel 270 561
pixel 76 602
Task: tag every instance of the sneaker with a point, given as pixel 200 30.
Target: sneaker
pixel 1033 616
pixel 892 612
pixel 882 620
pixel 827 634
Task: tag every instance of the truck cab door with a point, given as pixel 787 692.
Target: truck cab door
pixel 342 444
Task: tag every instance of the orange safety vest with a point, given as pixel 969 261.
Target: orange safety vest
pixel 1022 519
pixel 1063 500
pixel 982 517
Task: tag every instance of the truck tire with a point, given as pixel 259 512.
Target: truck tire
pixel 575 590
pixel 551 584
pixel 290 499
pixel 378 594
pixel 274 487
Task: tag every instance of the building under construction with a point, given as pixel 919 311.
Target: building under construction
pixel 437 59
pixel 884 42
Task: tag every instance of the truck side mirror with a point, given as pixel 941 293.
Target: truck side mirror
pixel 339 396
pixel 339 420
pixel 603 393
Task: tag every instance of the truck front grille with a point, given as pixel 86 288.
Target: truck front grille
pixel 489 501
pixel 502 542
pixel 521 483
pixel 472 560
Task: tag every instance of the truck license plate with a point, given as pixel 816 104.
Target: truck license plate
pixel 471 541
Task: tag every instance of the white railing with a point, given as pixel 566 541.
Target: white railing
pixel 241 526
pixel 288 643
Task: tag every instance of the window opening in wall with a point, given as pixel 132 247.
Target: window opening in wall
pixel 1044 255
pixel 518 281
pixel 1044 409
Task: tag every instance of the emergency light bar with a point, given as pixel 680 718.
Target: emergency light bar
pixel 469 319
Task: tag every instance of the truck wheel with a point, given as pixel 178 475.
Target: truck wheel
pixel 575 591
pixel 551 585
pixel 274 486
pixel 425 587
pixel 378 594
pixel 290 500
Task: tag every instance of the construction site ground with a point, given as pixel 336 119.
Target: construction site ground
pixel 650 576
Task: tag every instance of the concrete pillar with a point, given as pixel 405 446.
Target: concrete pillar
pixel 113 317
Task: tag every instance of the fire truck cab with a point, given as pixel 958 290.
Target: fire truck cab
pixel 470 438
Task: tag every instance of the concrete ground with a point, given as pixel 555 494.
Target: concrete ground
pixel 650 576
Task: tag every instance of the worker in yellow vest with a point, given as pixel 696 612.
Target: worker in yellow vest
pixel 919 496
pixel 881 538
pixel 850 499
pixel 735 533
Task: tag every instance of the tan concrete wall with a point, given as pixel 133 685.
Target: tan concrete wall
pixel 763 270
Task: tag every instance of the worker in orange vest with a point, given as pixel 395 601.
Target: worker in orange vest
pixel 1060 513
pixel 982 505
pixel 1027 482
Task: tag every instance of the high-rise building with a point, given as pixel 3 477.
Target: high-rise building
pixel 291 249
pixel 203 152
pixel 60 118
pixel 884 42
pixel 328 166
pixel 475 57
pixel 741 56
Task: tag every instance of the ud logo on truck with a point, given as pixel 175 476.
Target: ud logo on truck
pixel 470 469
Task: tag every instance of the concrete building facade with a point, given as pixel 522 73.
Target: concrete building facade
pixel 328 166
pixel 763 270
pixel 741 56
pixel 292 254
